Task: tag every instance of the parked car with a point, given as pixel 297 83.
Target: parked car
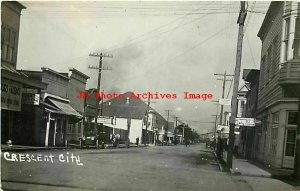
pixel 89 141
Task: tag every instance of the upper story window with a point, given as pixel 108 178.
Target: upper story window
pixel 8 44
pixel 242 106
pixel 296 44
pixel 269 63
pixel 274 54
pixel 286 38
pixel 262 74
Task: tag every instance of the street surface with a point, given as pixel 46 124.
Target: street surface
pixel 161 168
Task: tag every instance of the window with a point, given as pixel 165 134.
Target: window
pixel 286 38
pixel 262 75
pixel 292 118
pixel 290 143
pixel 274 53
pixel 8 44
pixel 296 44
pixel 269 63
pixel 242 107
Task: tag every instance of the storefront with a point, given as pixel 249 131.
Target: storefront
pixel 15 119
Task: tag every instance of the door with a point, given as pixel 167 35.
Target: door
pixel 51 133
pixel 289 149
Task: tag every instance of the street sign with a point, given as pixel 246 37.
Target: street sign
pixel 104 120
pixel 225 101
pixel 245 122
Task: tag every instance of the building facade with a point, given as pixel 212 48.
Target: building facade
pixel 130 120
pixel 279 83
pixel 18 91
pixel 251 139
pixel 55 112
pixel 76 87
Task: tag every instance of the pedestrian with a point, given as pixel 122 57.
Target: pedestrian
pixel 137 141
pixel 186 142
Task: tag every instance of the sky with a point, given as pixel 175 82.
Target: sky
pixel 165 47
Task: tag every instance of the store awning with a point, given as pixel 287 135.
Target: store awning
pixel 50 108
pixel 66 108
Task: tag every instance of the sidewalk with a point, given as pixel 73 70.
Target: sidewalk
pixel 5 147
pixel 245 168
pixel 258 178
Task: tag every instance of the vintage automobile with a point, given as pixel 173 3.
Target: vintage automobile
pixel 89 141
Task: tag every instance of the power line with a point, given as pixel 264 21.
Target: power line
pixel 198 44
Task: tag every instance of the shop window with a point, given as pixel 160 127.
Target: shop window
pixel 290 143
pixel 70 128
pixel 292 118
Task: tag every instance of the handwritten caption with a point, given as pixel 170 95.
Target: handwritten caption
pixel 48 158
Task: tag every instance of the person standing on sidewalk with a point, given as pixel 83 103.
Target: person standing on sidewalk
pixel 137 141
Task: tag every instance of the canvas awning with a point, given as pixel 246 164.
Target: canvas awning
pixel 66 108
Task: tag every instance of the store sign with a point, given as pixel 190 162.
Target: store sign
pixel 11 93
pixel 225 101
pixel 36 99
pixel 30 97
pixel 245 122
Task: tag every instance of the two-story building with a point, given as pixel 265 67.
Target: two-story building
pixel 279 82
pixel 56 113
pixel 16 87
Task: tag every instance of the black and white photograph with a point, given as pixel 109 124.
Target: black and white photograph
pixel 150 95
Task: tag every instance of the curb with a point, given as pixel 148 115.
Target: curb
pixel 34 148
pixel 222 169
pixel 57 148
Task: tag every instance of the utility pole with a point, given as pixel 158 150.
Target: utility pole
pixel 240 22
pixel 147 117
pixel 98 84
pixel 176 119
pixel 215 129
pixel 167 129
pixel 223 92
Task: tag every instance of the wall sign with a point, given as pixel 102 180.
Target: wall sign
pixel 11 93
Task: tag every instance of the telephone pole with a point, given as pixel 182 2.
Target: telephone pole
pixel 147 117
pixel 223 92
pixel 167 126
pixel 240 22
pixel 99 68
